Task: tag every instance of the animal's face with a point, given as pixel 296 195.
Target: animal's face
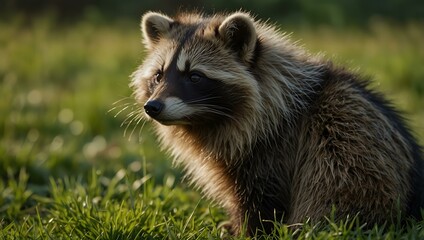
pixel 196 70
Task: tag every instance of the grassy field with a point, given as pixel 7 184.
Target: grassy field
pixel 72 166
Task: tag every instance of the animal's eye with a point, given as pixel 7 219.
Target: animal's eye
pixel 196 77
pixel 157 77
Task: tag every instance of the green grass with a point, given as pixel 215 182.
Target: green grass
pixel 68 170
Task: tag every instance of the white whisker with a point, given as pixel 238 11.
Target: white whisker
pixel 136 124
pixel 141 128
pixel 131 114
pixel 122 99
pixel 136 117
pixel 123 109
pixel 134 114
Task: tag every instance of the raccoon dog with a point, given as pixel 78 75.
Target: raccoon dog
pixel 270 132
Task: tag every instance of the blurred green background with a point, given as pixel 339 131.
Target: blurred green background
pixel 310 12
pixel 65 66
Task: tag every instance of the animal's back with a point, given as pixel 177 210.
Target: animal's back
pixel 347 151
pixel 357 155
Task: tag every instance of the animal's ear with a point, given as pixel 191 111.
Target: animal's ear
pixel 155 26
pixel 238 32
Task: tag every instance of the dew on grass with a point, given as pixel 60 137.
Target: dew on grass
pixel 92 148
pixel 96 200
pixel 170 180
pixel 76 127
pixel 57 143
pixel 135 166
pixel 136 184
pixel 120 174
pixel 104 181
pixel 34 97
pixel 122 188
pixel 66 116
pixel 139 182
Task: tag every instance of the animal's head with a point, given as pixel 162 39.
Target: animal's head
pixel 197 69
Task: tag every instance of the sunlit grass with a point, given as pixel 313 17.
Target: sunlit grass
pixel 68 171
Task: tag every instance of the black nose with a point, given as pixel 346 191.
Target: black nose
pixel 153 108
